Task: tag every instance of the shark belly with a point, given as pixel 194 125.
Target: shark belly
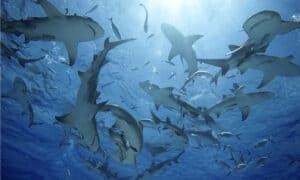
pixel 84 121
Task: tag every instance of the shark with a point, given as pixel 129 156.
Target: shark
pixel 271 67
pixel 242 101
pixel 20 93
pixel 155 167
pixel 165 97
pixel 82 117
pixel 182 46
pixel 130 139
pixel 69 29
pixel 263 27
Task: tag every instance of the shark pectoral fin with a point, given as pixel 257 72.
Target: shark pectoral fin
pixel 65 119
pixel 233 47
pixel 266 79
pixel 72 51
pixel 49 9
pixel 190 40
pixel 245 112
pixel 173 53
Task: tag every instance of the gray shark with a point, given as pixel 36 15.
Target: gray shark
pixel 242 101
pixel 70 29
pixel 166 98
pixel 20 94
pixel 271 67
pixel 181 45
pixel 146 18
pixel 147 173
pixel 263 27
pixel 83 114
pixel 131 136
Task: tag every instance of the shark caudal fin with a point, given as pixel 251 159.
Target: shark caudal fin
pixel 110 45
pixel 221 63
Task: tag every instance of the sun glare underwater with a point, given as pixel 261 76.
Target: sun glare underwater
pixel 150 89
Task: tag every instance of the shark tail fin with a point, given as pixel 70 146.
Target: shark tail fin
pixel 110 45
pixel 221 63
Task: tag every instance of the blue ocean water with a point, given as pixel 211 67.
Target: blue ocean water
pixel 46 151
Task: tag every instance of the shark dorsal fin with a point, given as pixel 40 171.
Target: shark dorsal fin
pixel 49 9
pixel 233 47
pixel 190 40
